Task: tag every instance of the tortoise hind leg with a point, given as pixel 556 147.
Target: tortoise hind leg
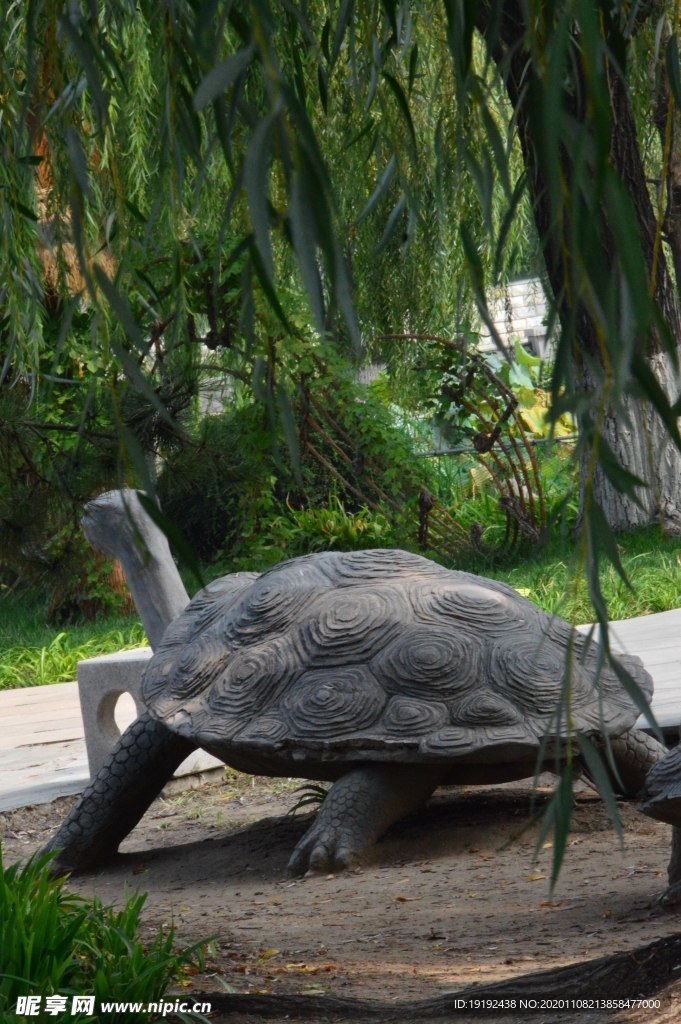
pixel 635 753
pixel 133 775
pixel 358 809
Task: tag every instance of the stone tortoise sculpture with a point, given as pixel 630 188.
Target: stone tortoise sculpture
pixel 378 671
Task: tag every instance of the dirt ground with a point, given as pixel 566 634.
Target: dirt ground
pixel 445 902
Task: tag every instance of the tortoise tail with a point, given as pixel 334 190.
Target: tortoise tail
pixel 133 775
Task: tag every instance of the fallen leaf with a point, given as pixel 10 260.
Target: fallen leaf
pixel 535 878
pixel 139 869
pixel 317 902
pixel 190 969
pixel 548 903
pixel 329 877
pixel 406 899
pixel 268 953
pixel 275 900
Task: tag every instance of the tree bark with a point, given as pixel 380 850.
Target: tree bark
pixel 643 447
pixel 672 217
pixel 638 439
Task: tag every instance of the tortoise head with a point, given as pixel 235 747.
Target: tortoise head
pixel 116 525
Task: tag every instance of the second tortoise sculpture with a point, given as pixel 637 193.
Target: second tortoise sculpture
pixel 379 671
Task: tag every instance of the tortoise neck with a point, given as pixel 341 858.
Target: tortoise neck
pixel 116 525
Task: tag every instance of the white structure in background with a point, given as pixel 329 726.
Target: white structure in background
pixel 370 372
pixel 518 310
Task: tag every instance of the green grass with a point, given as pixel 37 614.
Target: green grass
pixel 23 621
pixel 57 662
pixel 33 653
pixel 652 563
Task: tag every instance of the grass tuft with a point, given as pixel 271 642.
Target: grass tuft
pixel 56 943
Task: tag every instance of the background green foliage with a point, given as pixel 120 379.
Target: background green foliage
pixel 76 418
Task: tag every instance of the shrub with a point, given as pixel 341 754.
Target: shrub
pixel 300 532
pixel 55 942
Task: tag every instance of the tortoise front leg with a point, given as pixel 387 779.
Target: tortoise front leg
pixel 133 775
pixel 358 809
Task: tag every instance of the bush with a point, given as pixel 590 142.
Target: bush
pixel 321 529
pixel 210 493
pixel 235 497
pixel 54 942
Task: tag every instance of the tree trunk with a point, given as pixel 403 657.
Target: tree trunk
pixel 642 445
pixel 640 442
pixel 634 442
pixel 672 217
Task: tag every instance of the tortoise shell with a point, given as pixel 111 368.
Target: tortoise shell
pixel 374 655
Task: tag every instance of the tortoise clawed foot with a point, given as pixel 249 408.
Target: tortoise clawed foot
pixel 347 824
pixel 671 897
pixel 357 810
pixel 322 849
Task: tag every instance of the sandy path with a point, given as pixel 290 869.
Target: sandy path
pixel 442 904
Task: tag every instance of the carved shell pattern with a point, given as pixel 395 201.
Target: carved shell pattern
pixel 383 649
pixel 430 661
pixel 178 673
pixel 406 716
pixel 465 602
pixel 350 624
pixel 253 677
pixel 322 704
pixel 216 600
pixel 530 671
pixel 268 608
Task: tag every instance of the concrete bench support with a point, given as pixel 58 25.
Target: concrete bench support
pixel 101 681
